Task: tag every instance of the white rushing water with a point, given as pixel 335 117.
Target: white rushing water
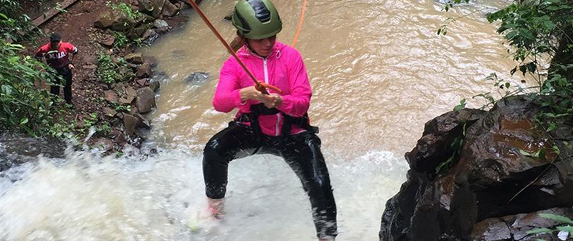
pixel 86 197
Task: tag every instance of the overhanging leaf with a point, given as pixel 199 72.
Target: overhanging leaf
pixel 539 230
pixel 557 218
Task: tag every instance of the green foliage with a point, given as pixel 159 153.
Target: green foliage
pixel 120 40
pixel 125 10
pixel 13 24
pixel 25 107
pixel 59 8
pixel 121 108
pixel 456 146
pixel 110 71
pixel 461 105
pixel 61 128
pixel 531 27
pixel 105 128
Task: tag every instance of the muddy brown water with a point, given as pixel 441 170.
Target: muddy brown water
pixel 377 68
pixel 378 71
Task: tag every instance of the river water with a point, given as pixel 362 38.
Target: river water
pixel 378 72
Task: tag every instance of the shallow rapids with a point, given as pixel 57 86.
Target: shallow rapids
pixel 153 199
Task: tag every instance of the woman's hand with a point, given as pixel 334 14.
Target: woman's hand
pixel 274 101
pixel 251 93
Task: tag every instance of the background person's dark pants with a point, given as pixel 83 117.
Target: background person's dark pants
pixel 300 151
pixel 66 74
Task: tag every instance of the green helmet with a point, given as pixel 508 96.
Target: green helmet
pixel 256 19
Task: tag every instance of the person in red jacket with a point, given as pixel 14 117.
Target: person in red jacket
pixel 59 55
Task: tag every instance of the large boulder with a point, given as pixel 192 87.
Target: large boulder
pixel 105 20
pixel 439 133
pixel 16 149
pixel 145 100
pixel 505 166
pixel 169 9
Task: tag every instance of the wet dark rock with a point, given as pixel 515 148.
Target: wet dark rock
pixel 197 77
pixel 122 24
pixel 515 227
pixel 155 85
pixel 151 60
pixel 16 149
pixel 491 229
pixel 104 144
pixel 439 133
pixel 143 121
pixel 151 7
pixel 160 23
pixel 144 71
pixel 133 110
pixel 169 9
pixel 144 19
pixel 130 122
pixel 134 58
pixel 138 32
pixel 118 137
pixel 495 174
pixel 163 30
pixel 150 36
pixel 145 100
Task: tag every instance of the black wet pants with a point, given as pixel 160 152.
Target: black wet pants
pixel 300 151
pixel 66 74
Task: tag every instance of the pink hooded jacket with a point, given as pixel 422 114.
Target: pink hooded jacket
pixel 283 68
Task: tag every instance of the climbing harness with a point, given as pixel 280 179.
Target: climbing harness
pixel 260 109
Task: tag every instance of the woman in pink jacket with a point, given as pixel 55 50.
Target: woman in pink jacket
pixel 272 124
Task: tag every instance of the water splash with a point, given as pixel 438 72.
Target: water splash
pixel 97 198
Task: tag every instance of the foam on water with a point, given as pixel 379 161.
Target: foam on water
pixel 91 198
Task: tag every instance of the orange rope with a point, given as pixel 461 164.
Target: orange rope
pixel 299 23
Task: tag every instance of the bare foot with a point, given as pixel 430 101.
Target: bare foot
pixel 216 207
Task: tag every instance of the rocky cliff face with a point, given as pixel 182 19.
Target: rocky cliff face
pixel 504 173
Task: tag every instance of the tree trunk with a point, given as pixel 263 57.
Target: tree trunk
pixel 563 56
